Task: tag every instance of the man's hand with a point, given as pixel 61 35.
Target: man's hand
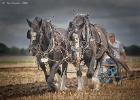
pixel 124 58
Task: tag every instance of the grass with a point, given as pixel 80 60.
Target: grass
pixel 14 62
pixel 16 59
pixel 133 62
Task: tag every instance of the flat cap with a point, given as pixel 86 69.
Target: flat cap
pixel 111 34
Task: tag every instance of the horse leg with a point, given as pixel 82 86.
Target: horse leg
pixel 95 79
pixel 42 65
pixel 96 84
pixel 51 86
pixel 64 71
pixel 92 59
pixel 80 78
pixel 90 66
pixel 58 78
pixel 88 82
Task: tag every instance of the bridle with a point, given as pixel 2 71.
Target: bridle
pixel 35 37
pixel 85 43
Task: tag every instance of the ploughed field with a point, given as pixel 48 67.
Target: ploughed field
pixel 20 79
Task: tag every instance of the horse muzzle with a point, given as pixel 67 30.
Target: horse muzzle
pixel 32 51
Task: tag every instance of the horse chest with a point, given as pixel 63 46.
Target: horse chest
pixel 57 54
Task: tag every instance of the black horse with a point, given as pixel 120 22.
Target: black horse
pixel 56 53
pixel 41 35
pixel 82 47
pixel 90 44
pixel 36 47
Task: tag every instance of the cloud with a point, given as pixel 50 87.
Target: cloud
pixel 121 17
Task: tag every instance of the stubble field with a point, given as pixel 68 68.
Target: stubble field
pixel 20 79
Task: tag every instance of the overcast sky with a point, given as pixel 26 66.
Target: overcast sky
pixel 119 16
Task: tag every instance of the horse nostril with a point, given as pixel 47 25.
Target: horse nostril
pixel 33 42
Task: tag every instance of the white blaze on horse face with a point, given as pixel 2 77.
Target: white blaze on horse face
pixel 99 33
pixel 33 35
pixel 50 28
pixel 77 44
pixel 76 29
pixel 53 43
pixel 76 40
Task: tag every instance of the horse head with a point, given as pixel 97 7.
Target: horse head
pixel 48 34
pixel 79 21
pixel 47 29
pixel 34 34
pixel 75 30
pixel 80 26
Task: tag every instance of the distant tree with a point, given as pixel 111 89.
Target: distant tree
pixel 3 49
pixel 23 51
pixel 133 50
pixel 14 51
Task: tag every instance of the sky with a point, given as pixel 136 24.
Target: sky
pixel 119 16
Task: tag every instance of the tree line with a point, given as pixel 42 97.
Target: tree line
pixel 132 50
pixel 5 50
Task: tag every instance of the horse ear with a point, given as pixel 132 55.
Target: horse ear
pixel 50 21
pixel 70 24
pixel 40 23
pixel 87 16
pixel 29 22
